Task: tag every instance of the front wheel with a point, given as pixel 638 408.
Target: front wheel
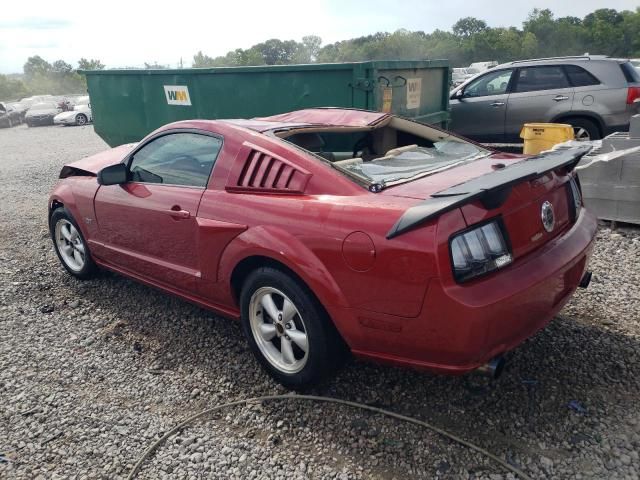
pixel 81 119
pixel 288 330
pixel 70 245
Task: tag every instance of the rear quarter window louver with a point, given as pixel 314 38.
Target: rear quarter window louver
pixel 258 170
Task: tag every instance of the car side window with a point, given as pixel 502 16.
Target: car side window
pixel 493 83
pixel 579 77
pixel 176 159
pixel 532 79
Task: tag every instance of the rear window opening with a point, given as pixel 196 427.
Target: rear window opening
pixel 396 152
pixel 630 73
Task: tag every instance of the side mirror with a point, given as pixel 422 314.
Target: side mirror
pixel 459 94
pixel 113 175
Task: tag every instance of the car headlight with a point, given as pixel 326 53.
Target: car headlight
pixel 479 250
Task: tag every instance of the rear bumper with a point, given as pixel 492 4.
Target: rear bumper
pixel 609 129
pixel 461 327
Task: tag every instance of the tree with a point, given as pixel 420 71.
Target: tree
pixel 277 52
pixel 61 67
pixel 200 60
pixel 605 32
pixel 469 26
pixel 90 64
pixel 529 46
pixel 36 65
pixel 12 89
pixel 308 51
pixel 602 31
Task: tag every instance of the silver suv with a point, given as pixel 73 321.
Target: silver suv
pixel 595 94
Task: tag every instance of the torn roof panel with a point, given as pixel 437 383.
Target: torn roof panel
pixel 342 117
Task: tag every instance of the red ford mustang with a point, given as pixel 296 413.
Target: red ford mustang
pixel 329 230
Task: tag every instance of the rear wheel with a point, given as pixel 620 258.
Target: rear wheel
pixel 70 245
pixel 288 330
pixel 81 119
pixel 585 129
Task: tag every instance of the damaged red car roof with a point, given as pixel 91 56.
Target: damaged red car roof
pixel 313 116
pixel 343 117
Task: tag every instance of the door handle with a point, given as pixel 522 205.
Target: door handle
pixel 497 104
pixel 177 212
pixel 560 98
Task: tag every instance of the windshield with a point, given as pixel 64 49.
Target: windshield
pixel 411 161
pixel 390 154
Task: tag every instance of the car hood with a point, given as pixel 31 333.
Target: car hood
pixel 423 188
pixel 97 162
pixel 37 113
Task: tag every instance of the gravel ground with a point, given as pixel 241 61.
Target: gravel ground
pixel 93 372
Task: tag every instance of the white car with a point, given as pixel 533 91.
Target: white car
pixel 459 76
pixel 80 115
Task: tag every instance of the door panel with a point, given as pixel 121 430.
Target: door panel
pixel 539 94
pixel 148 225
pixel 151 230
pixel 481 119
pixel 480 112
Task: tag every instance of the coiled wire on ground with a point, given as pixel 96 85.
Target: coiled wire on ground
pixel 313 398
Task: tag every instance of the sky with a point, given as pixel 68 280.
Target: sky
pixel 129 33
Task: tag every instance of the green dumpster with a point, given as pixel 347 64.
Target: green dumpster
pixel 128 104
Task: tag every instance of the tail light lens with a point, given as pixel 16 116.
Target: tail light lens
pixel 633 95
pixel 479 250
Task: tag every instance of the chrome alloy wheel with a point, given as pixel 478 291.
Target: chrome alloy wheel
pixel 278 330
pixel 70 245
pixel 581 134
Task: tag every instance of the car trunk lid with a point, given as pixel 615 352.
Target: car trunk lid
pixel 516 193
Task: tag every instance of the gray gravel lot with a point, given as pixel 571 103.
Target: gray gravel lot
pixel 93 372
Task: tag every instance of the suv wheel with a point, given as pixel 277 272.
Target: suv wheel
pixel 288 330
pixel 585 129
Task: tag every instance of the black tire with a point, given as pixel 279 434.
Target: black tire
pixel 585 129
pixel 89 268
pixel 326 349
pixel 81 119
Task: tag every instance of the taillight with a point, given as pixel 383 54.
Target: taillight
pixel 633 95
pixel 478 251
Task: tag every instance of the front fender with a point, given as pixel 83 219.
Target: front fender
pixel 76 194
pixel 275 243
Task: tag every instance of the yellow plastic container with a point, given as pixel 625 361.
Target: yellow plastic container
pixel 542 136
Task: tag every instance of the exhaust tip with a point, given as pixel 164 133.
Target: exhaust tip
pixel 585 280
pixel 493 368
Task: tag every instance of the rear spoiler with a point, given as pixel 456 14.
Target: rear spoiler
pixel 492 189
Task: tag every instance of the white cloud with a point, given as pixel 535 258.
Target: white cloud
pixel 128 33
